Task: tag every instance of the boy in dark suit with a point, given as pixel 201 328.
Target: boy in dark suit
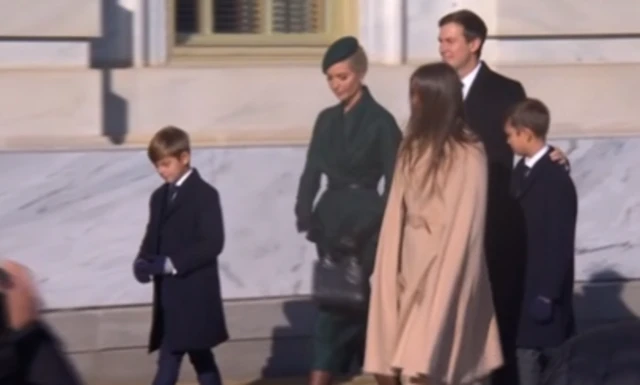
pixel 179 251
pixel 548 200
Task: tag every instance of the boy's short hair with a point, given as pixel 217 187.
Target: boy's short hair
pixel 169 141
pixel 531 114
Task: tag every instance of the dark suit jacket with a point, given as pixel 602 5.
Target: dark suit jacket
pixel 549 205
pixel 486 105
pixel 490 97
pixel 187 307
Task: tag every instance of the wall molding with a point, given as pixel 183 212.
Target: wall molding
pixel 247 139
pixel 267 106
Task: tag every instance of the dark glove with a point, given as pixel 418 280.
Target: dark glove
pixel 141 270
pixel 5 279
pixel 157 264
pixel 347 245
pixel 303 223
pixel 541 309
pixel 344 246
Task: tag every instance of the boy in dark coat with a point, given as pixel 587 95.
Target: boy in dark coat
pixel 179 251
pixel 548 200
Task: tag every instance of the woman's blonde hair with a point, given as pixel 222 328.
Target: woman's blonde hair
pixel 359 62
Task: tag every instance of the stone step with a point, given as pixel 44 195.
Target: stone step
pixel 271 333
pixel 358 380
pixel 45 109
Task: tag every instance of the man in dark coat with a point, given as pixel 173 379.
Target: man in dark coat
pixel 180 251
pixel 488 96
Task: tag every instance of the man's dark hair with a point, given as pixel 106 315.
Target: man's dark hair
pixel 473 25
pixel 530 114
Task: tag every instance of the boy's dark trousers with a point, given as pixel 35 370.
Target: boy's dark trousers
pixel 202 360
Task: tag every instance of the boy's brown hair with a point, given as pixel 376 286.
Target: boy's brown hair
pixel 530 114
pixel 169 141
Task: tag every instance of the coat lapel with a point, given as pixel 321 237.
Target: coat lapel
pixel 349 132
pixel 182 195
pixel 475 92
pixel 517 178
pixel 353 119
pixel 527 181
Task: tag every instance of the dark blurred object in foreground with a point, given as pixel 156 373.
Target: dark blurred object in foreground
pixel 607 355
pixel 30 353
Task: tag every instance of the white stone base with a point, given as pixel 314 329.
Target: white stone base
pixel 236 106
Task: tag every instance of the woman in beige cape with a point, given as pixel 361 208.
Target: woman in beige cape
pixel 431 316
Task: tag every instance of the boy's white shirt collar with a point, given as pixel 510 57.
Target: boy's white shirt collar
pixel 531 161
pixel 183 178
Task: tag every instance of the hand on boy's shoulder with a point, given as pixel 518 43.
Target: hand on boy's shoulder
pixel 559 157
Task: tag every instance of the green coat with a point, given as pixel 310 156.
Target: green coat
pixel 354 150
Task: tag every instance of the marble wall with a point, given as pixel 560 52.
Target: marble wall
pixel 51 18
pixel 534 32
pixel 77 218
pixel 49 34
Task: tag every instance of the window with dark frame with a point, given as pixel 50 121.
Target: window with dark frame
pixel 249 17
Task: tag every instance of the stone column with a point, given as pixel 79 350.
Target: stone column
pixel 394 22
pixel 382 30
pixel 155 32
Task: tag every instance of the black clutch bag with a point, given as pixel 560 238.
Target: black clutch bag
pixel 340 284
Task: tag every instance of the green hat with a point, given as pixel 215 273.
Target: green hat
pixel 340 50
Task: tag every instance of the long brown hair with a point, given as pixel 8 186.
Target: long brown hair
pixel 437 122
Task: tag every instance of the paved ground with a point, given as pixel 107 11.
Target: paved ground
pixel 363 380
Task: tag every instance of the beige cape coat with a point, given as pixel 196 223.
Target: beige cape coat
pixel 431 311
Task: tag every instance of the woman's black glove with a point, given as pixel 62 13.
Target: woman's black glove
pixel 303 223
pixel 347 245
pixel 303 218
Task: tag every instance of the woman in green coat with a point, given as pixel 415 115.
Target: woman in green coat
pixel 354 144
